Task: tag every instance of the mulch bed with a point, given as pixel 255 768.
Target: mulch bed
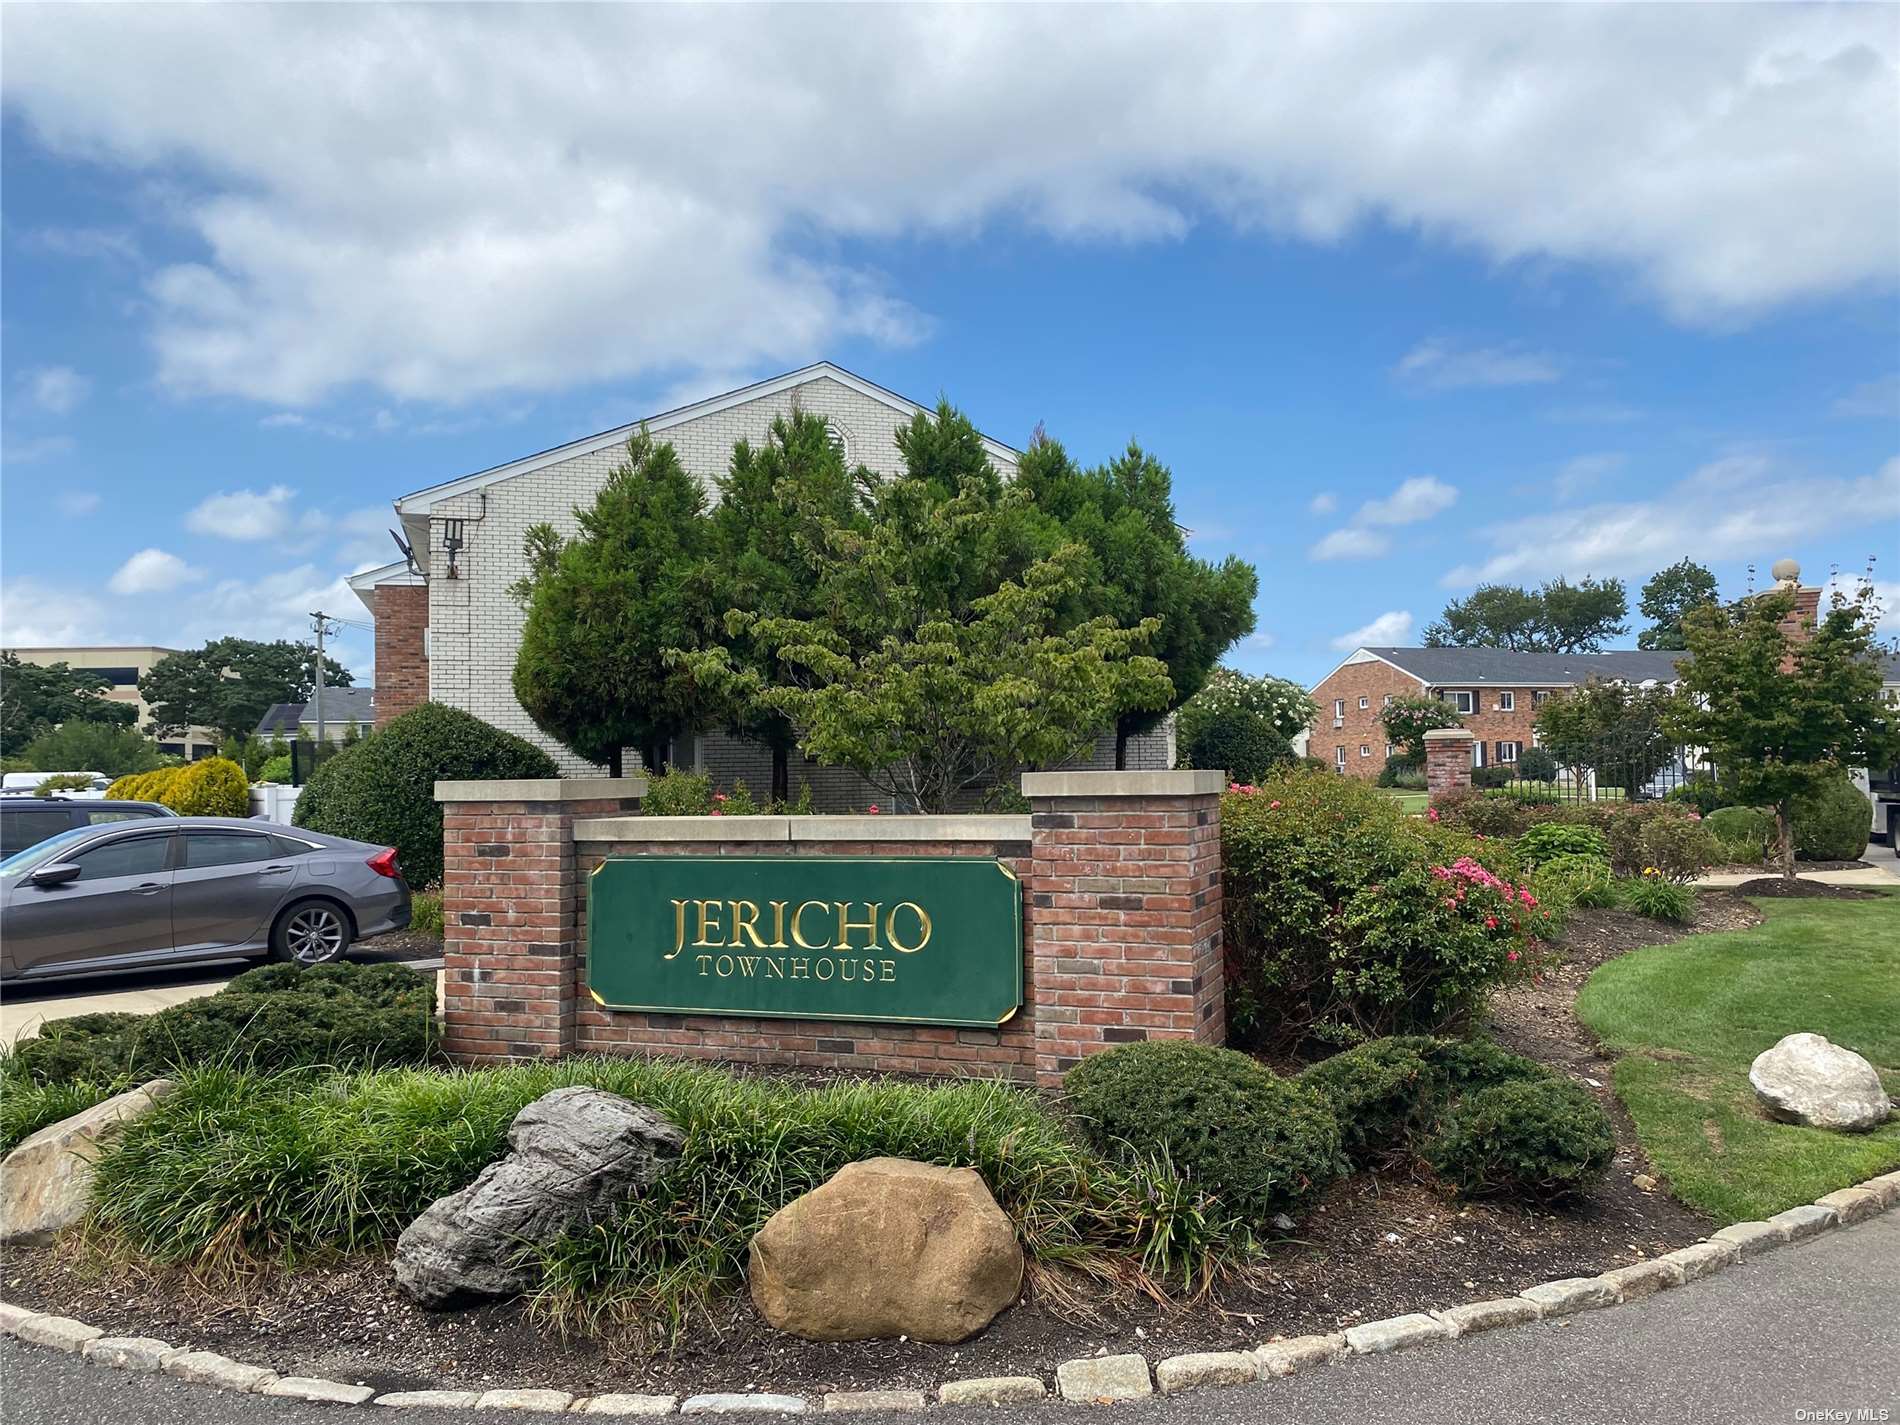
pixel 1782 888
pixel 1376 1246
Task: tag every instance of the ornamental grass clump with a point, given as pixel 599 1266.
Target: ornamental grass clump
pixel 233 1171
pixel 1346 920
pixel 1654 895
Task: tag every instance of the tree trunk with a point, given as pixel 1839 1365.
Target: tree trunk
pixel 614 762
pixel 1784 840
pixel 656 757
pixel 781 775
pixel 1121 746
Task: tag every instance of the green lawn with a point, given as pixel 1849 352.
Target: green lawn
pixel 1692 1016
pixel 1411 803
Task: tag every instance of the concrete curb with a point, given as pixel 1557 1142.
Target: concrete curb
pixel 1089 1380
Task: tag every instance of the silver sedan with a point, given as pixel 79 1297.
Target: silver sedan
pixel 143 894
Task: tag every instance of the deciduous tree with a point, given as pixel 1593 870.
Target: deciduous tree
pixel 1408 719
pixel 80 746
pixel 230 683
pixel 1619 732
pixel 36 698
pixel 1667 597
pixel 1782 713
pixel 606 607
pixel 1559 617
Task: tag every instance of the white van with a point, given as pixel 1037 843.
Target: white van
pixel 26 784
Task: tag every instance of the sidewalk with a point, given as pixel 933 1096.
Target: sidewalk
pixel 1881 872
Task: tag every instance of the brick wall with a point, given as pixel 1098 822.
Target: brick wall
pixel 402 658
pixel 1121 937
pixel 1447 761
pixel 1363 735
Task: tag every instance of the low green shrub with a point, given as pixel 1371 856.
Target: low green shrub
pixel 1544 1139
pixel 1670 840
pixel 425 911
pixel 1833 823
pixel 1534 764
pixel 63 782
pixel 1494 775
pixel 1401 775
pixel 1743 834
pixel 1346 919
pixel 382 790
pixel 1483 814
pixel 275 769
pixel 275 1017
pixel 1700 793
pixel 1654 895
pixel 232 1169
pixel 1243 743
pixel 1260 1144
pixel 1541 842
pixel 678 792
pixel 1582 881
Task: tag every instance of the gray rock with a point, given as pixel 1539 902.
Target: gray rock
pixel 1396 1333
pixel 1476 1316
pixel 129 1353
pixel 1571 1294
pixel 1806 1221
pixel 1205 1368
pixel 1104 1378
pixel 746 1403
pixel 209 1368
pixel 1886 1187
pixel 1641 1279
pixel 431 1399
pixel 991 1390
pixel 628 1405
pixel 62 1333
pixel 46 1181
pixel 1751 1239
pixel 1807 1079
pixel 576 1155
pixel 1852 1204
pixel 1699 1259
pixel 520 1398
pixel 12 1316
pixel 903 1402
pixel 323 1392
pixel 1282 1358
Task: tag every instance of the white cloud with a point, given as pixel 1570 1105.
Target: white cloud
pixel 1418 498
pixel 243 514
pixel 1743 506
pixel 1385 631
pixel 46 447
pixel 1585 472
pixel 97 244
pixel 77 504
pixel 1323 503
pixel 152 571
pixel 1594 413
pixel 58 390
pixel 35 615
pixel 1260 642
pixel 441 202
pixel 1879 398
pixel 1887 594
pixel 1440 365
pixel 1351 542
pixel 297 420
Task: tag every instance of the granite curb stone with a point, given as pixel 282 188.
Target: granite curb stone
pixel 1104 1378
pixel 1570 1294
pixel 1203 1368
pixel 1396 1333
pixel 12 1316
pixel 323 1392
pixel 1297 1353
pixel 1806 1221
pixel 431 1399
pixel 892 1400
pixel 992 1390
pixel 517 1398
pixel 1700 1259
pixel 62 1333
pixel 743 1403
pixel 1852 1205
pixel 1476 1316
pixel 1751 1239
pixel 627 1405
pixel 130 1353
pixel 1641 1279
pixel 209 1368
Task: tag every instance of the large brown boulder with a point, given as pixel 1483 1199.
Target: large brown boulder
pixel 888 1247
pixel 46 1182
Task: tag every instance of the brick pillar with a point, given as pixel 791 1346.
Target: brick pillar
pixel 1124 892
pixel 1447 761
pixel 511 940
pixel 402 657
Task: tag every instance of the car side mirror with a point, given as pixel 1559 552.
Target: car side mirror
pixel 57 874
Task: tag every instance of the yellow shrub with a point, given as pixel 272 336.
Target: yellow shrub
pixel 214 787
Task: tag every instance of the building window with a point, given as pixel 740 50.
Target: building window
pixel 1477 754
pixel 1339 758
pixel 1462 699
pixel 117 677
pixel 1507 751
pixel 1364 703
pixel 1388 700
pixel 1390 750
pixel 1365 750
pixel 1507 702
pixel 1339 712
pixel 1538 696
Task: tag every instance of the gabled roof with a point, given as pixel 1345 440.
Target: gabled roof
pixel 365 583
pixel 1451 667
pixel 341 706
pixel 417 503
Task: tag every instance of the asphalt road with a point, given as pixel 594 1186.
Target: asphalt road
pixel 1806 1329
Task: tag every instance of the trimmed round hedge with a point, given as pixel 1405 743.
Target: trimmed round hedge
pixel 1833 824
pixel 1541 1139
pixel 1389 1094
pixel 383 789
pixel 212 786
pixel 1744 833
pixel 1259 1143
pixel 1242 743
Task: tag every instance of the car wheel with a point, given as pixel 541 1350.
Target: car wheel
pixel 311 933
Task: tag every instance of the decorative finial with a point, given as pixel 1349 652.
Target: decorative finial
pixel 1786 571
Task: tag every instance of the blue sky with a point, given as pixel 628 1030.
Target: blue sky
pixel 1408 300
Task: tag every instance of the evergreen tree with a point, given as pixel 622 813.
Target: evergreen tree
pixel 1668 597
pixel 605 607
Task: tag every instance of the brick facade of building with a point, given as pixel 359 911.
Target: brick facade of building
pixel 402 648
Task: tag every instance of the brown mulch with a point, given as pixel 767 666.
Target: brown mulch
pixel 1376 1246
pixel 1781 888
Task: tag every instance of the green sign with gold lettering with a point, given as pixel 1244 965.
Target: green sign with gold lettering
pixel 913 939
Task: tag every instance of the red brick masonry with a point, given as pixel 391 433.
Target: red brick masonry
pixel 1121 880
pixel 402 658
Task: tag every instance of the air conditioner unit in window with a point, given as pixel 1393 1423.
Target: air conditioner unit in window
pixel 1339 722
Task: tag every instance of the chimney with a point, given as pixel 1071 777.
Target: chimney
pixel 1800 622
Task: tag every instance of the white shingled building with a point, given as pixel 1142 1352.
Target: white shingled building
pixel 447 628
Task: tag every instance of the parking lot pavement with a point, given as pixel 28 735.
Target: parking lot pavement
pixel 24 1008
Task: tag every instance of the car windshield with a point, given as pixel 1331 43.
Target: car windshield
pixel 44 851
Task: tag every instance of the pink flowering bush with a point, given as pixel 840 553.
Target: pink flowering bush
pixel 1347 919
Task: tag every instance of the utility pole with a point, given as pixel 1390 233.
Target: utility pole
pixel 321 621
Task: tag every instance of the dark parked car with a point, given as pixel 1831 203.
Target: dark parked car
pixel 27 821
pixel 158 892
